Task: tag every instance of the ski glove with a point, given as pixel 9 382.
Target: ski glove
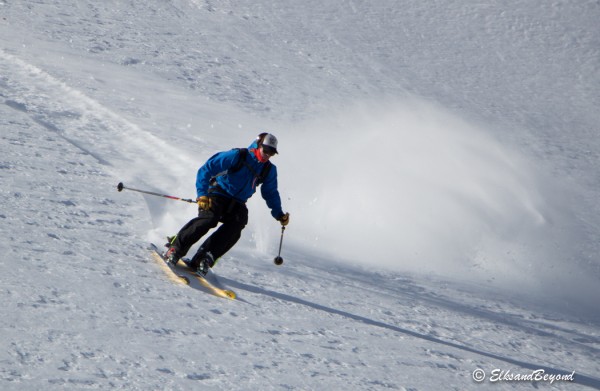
pixel 204 202
pixel 284 219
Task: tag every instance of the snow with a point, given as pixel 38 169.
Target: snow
pixel 439 160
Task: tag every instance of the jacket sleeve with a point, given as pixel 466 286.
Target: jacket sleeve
pixel 217 164
pixel 271 194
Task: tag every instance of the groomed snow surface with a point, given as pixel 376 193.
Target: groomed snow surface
pixel 439 160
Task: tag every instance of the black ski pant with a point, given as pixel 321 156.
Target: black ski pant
pixel 232 214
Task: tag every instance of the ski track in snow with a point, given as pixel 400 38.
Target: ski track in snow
pixel 82 121
pixel 85 308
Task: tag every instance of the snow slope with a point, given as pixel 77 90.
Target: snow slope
pixel 439 161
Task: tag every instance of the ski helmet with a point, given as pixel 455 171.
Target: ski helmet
pixel 268 140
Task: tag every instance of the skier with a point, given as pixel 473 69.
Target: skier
pixel 224 184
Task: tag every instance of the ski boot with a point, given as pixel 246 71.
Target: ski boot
pixel 170 241
pixel 171 256
pixel 202 263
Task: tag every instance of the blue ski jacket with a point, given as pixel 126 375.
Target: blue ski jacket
pixel 239 185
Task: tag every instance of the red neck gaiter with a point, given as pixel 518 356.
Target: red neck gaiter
pixel 259 155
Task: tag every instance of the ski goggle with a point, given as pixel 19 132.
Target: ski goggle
pixel 269 150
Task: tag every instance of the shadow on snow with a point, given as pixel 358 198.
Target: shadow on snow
pixel 578 379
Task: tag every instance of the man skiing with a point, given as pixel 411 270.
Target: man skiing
pixel 224 184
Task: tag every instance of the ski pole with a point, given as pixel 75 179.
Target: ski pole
pixel 120 187
pixel 278 260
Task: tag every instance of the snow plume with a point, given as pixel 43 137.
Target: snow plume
pixel 412 187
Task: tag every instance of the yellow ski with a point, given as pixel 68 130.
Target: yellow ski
pixel 182 275
pixel 171 274
pixel 225 293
